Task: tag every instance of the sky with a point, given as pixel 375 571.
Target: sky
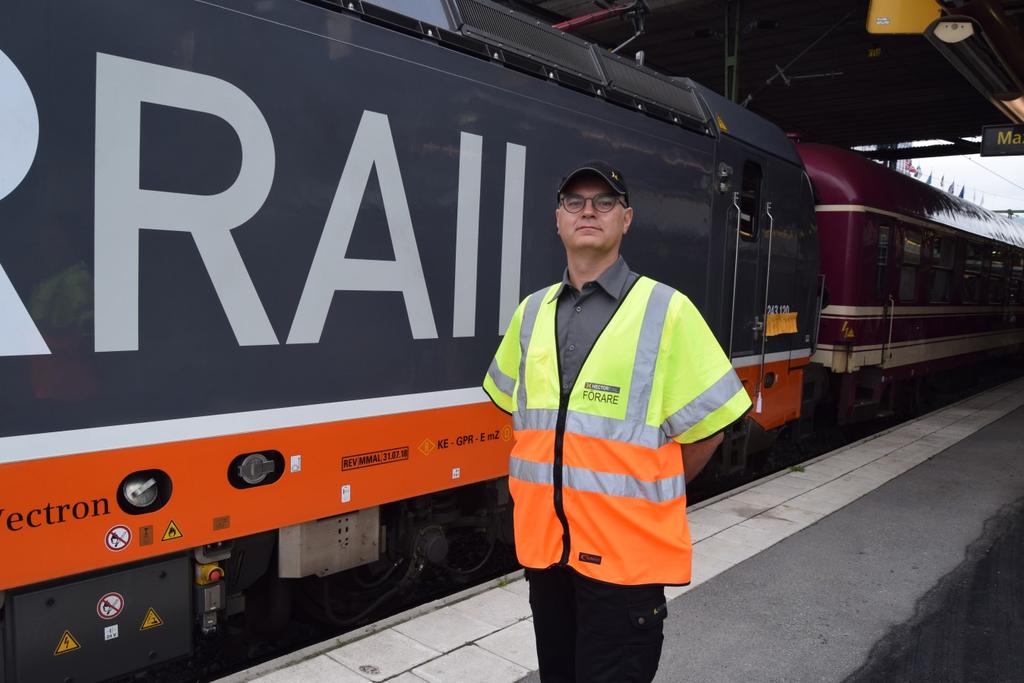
pixel 1000 180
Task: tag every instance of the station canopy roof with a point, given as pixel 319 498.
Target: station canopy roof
pixel 851 88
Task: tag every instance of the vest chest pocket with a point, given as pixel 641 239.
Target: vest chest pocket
pixel 540 353
pixel 542 381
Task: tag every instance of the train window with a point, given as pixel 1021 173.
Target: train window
pixel 911 247
pixel 996 290
pixel 908 283
pixel 970 294
pixel 938 291
pixel 943 257
pixel 975 254
pixel 1014 292
pixel 943 251
pixel 750 201
pixel 911 259
pixel 882 261
pixel 999 264
pixel 1017 269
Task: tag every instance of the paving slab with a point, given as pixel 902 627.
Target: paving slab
pixel 772 527
pixel 787 485
pixel 515 643
pixel 742 534
pixel 737 508
pixel 727 550
pixel 497 607
pixel 792 513
pixel 321 669
pixel 470 664
pixel 714 519
pixel 445 630
pixel 383 655
pixel 519 587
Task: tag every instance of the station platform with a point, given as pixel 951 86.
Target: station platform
pixel 894 558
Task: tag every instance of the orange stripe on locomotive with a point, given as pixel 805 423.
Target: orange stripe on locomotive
pixel 206 508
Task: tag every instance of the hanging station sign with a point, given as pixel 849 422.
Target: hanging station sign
pixel 1002 140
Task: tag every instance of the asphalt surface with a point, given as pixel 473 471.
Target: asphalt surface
pixel 918 580
pixel 970 627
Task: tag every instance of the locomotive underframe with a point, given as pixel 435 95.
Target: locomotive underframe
pixel 163 609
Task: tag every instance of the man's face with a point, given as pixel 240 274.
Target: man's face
pixel 590 229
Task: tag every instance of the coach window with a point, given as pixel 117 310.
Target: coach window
pixel 943 256
pixel 750 201
pixel 972 271
pixel 1016 274
pixel 911 261
pixel 997 279
pixel 882 262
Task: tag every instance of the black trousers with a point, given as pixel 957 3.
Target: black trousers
pixel 593 632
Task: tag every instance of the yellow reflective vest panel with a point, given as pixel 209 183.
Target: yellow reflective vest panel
pixel 596 474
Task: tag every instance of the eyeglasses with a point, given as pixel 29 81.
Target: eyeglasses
pixel 574 203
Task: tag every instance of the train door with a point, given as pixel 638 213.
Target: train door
pixel 743 280
pixel 747 226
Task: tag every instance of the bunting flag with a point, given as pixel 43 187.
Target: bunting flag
pixel 962 188
pixel 929 177
pixel 951 189
pixel 942 180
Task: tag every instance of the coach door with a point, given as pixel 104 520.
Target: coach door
pixel 749 225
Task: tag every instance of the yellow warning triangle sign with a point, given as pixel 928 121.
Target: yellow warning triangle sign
pixel 152 620
pixel 172 532
pixel 67 644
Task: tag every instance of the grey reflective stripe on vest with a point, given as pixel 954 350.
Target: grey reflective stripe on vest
pixel 614 429
pixel 657 491
pixel 536 418
pixel 504 383
pixel 647 354
pixel 533 472
pixel 606 483
pixel 596 426
pixel 712 398
pixel 530 310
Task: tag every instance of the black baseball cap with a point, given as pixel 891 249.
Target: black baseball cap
pixel 602 169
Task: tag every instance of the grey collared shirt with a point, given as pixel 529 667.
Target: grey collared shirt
pixel 582 315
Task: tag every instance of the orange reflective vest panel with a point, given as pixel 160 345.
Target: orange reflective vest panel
pixel 597 473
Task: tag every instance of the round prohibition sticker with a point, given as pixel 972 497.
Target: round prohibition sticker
pixel 110 605
pixel 118 538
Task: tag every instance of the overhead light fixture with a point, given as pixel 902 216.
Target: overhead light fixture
pixel 1017 107
pixel 953 31
pixel 964 43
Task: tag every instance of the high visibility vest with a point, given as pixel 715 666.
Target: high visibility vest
pixel 596 473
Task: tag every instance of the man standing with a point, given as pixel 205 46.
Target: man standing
pixel 606 374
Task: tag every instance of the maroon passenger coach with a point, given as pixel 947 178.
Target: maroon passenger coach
pixel 918 282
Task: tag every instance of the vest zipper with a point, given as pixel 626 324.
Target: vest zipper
pixel 563 410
